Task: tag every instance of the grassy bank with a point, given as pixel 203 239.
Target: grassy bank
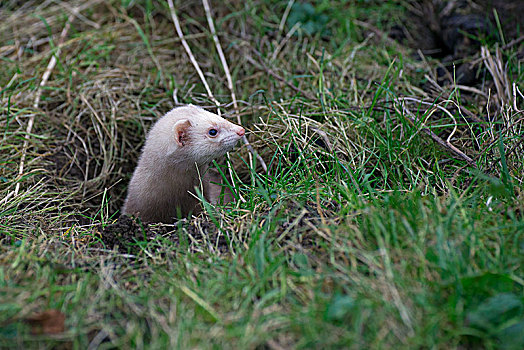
pixel 389 216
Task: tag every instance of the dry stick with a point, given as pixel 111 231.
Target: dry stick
pixel 475 118
pixel 485 146
pixel 284 17
pixel 513 42
pixel 462 109
pixel 437 139
pixel 220 53
pixel 229 80
pixel 45 77
pixel 190 54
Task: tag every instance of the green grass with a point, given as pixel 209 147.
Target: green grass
pixel 364 232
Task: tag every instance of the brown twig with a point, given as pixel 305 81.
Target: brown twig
pixel 513 42
pixel 435 137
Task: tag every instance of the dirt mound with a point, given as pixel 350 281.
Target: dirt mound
pixel 127 233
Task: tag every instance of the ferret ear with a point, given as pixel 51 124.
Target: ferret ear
pixel 181 130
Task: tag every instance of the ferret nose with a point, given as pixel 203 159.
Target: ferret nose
pixel 241 132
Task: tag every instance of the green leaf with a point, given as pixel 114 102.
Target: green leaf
pixel 312 19
pixel 495 311
pixel 340 307
pixel 512 337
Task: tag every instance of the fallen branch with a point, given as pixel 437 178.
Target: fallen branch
pixel 445 144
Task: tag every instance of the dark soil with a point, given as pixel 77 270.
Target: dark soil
pixel 453 31
pixel 442 28
pixel 127 234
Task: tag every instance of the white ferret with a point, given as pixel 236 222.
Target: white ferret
pixel 174 160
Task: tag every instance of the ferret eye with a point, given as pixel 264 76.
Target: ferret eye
pixel 213 132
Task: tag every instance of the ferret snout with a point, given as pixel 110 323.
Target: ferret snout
pixel 241 131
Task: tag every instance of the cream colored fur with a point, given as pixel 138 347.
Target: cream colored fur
pixel 175 159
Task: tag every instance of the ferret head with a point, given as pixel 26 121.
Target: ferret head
pixel 201 136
